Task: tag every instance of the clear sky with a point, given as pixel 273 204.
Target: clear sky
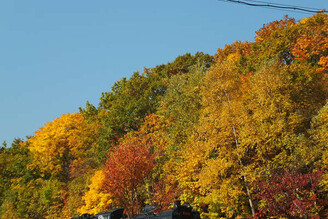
pixel 56 55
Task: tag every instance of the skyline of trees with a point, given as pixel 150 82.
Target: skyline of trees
pixel 242 132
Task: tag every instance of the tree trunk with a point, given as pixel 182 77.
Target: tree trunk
pixel 242 165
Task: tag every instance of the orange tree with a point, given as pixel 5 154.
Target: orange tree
pixel 126 170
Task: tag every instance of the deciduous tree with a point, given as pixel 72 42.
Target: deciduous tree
pixel 290 193
pixel 126 169
pixel 97 198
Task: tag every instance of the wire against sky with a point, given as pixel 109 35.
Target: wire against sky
pixel 316 9
pixel 276 6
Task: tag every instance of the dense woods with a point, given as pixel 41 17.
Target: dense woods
pixel 240 134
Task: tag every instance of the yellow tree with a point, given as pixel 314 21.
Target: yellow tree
pixel 319 134
pixel 96 199
pixel 61 147
pixel 249 123
pixel 63 151
pixel 216 154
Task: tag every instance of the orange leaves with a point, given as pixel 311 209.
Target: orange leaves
pixel 267 30
pixel 312 45
pixel 323 62
pixel 216 129
pixel 305 41
pixel 126 170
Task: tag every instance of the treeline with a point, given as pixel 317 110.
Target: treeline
pixel 240 134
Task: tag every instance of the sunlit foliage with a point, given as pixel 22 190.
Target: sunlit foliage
pixel 241 134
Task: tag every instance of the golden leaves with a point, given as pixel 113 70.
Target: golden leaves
pixel 61 144
pixel 96 199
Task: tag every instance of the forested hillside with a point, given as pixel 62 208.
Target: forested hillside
pixel 240 134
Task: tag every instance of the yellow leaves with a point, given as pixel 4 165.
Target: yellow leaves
pixel 225 198
pixel 214 171
pixel 324 180
pixel 191 165
pixel 153 128
pixel 319 133
pixel 244 128
pixel 233 57
pixel 9 211
pixel 215 131
pixel 96 199
pixel 304 20
pixel 237 50
pixel 324 63
pixel 60 144
pixel 320 127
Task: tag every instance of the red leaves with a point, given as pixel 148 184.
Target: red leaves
pixel 164 194
pixel 126 169
pixel 290 193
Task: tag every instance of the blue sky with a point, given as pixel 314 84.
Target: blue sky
pixel 56 55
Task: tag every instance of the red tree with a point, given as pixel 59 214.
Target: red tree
pixel 290 193
pixel 126 169
pixel 164 194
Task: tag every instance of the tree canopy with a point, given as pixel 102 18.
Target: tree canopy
pixel 243 132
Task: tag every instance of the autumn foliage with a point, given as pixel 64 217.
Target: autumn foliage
pixel 290 193
pixel 241 134
pixel 126 170
pixel 97 198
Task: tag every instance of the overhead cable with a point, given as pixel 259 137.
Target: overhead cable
pixel 276 6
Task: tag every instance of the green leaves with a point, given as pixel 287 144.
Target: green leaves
pixel 216 125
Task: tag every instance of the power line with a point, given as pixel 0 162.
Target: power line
pixel 276 6
pixel 278 9
pixel 315 9
pixel 287 10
